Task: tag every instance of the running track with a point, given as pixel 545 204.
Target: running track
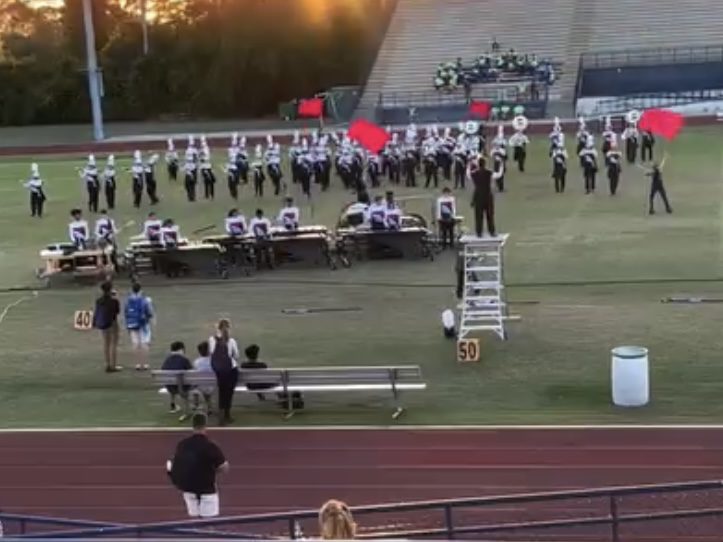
pixel 119 476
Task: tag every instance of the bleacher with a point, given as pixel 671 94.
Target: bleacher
pixel 424 33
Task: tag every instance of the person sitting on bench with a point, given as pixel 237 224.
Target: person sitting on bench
pixel 202 364
pixel 252 362
pixel 177 361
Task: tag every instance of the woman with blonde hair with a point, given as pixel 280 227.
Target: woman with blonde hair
pixel 336 521
pixel 224 361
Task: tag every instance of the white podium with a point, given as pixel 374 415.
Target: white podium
pixel 630 376
pixel 483 304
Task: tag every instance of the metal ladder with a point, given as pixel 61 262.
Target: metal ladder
pixel 483 302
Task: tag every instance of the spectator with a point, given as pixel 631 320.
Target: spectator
pixel 193 470
pixel 224 361
pixel 336 521
pixel 202 364
pixel 139 315
pixel 177 361
pixel 105 319
pixel 252 362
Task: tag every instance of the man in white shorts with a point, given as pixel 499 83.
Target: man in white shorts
pixel 193 470
pixel 139 316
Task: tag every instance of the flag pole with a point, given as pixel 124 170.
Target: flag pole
pixel 93 72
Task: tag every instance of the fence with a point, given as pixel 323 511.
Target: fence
pixel 652 56
pixel 623 104
pixel 608 511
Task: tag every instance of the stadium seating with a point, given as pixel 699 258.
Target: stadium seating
pixel 424 33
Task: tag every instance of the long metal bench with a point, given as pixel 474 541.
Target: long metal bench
pixel 394 379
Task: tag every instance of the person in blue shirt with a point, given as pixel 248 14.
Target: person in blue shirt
pixel 139 316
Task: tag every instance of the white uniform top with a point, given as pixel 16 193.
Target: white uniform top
pixel 260 227
pixel 78 231
pixel 152 230
pixel 446 208
pixel 171 156
pixel 393 217
pixel 378 215
pixel 137 170
pixel 289 218
pixel 610 136
pixel 169 236
pixel 189 167
pixel 90 174
pixel 519 139
pixel 105 228
pixel 35 185
pixel 235 225
pixel 630 133
pixel 191 154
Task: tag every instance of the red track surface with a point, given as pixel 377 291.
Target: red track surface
pixel 120 476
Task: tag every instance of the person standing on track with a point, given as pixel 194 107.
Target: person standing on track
pixel 193 469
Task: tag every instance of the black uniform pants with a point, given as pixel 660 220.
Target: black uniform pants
pixel 110 195
pixel 646 153
pixel 520 157
pixel 446 232
pixel 460 174
pixel 151 191
pixel 259 184
pixel 560 177
pixel 233 183
pixel 208 190
pixel 484 210
pixel 410 173
pixel 173 171
pixel 658 188
pixel 93 196
pixel 631 151
pixel 305 181
pixel 589 180
pixel 190 185
pixel 430 172
pixel 226 382
pixel 614 178
pixel 36 204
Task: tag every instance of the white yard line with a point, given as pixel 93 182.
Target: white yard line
pixel 7 308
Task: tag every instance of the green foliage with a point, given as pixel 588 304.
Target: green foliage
pixel 207 59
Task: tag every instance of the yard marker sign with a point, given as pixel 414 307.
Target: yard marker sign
pixel 83 320
pixel 468 350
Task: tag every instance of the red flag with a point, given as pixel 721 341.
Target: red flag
pixel 369 135
pixel 312 108
pixel 660 122
pixel 480 109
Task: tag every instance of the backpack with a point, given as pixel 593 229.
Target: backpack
pixel 220 360
pixel 101 318
pixel 137 312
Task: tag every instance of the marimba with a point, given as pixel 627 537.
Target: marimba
pixel 365 243
pixel 186 258
pixel 65 258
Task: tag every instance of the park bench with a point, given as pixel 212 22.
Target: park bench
pixel 310 380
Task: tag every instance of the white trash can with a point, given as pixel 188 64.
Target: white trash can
pixel 630 376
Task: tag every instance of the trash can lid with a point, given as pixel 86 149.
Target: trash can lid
pixel 630 352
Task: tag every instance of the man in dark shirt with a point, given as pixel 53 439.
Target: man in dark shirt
pixel 105 319
pixel 177 361
pixel 252 362
pixel 193 470
pixel 483 200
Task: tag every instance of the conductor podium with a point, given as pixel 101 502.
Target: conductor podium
pixel 481 280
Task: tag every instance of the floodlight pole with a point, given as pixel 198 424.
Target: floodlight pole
pixel 144 25
pixel 93 73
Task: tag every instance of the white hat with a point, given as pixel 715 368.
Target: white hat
pixel 608 123
pixel 243 141
pixel 203 141
pixel 137 156
pixel 234 139
pixel 171 146
pixel 191 141
pixel 91 159
pixel 447 131
pixel 304 143
pixel 34 171
pixel 111 160
pixel 581 123
pixel 297 135
pixel 501 130
pixel 153 159
pixel 269 139
pixel 259 151
pixel 471 127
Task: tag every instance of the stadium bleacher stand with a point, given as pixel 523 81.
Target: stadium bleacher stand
pixel 424 33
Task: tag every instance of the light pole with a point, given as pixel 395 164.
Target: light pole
pixel 144 23
pixel 93 73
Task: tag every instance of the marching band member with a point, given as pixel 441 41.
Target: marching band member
pixel 232 175
pixel 323 163
pixel 242 161
pixel 610 138
pixel 272 157
pixel 559 168
pixel 583 136
pixel 472 140
pixel 260 227
pixel 105 229
pixel 109 182
pixel 446 214
pixel 483 199
pixel 499 167
pixel 172 161
pixel 500 141
pixel 429 158
pixel 170 234
pixel 191 154
pixel 519 142
pixel 646 150
pixel 557 136
pixel 409 165
pixel 588 159
pixel 209 178
pixel 393 214
pixel 613 159
pixel 394 159
pixel 190 178
pixel 460 164
pixel 78 230
pixel 657 187
pixel 631 136
pixel 305 167
pixel 149 176
pixel 152 228
pixel 258 171
pixel 294 152
pixel 138 175
pixel 92 184
pixel 444 153
pixel 37 195
pixel 289 215
pixel 235 223
pixel 378 214
pixel 373 168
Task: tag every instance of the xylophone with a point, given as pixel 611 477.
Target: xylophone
pixel 365 243
pixel 65 258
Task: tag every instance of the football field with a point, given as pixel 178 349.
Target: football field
pixel 585 273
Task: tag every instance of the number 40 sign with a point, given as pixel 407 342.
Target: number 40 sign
pixel 467 350
pixel 83 320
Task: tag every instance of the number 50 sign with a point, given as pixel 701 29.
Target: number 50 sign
pixel 467 350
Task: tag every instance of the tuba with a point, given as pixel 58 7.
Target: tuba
pixel 520 123
pixel 633 116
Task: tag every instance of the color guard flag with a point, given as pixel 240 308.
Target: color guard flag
pixel 369 135
pixel 480 109
pixel 660 122
pixel 312 108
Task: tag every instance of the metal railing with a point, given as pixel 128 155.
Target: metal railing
pixel 450 518
pixel 508 93
pixel 651 56
pixel 623 104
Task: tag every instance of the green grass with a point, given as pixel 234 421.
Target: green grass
pixel 595 267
